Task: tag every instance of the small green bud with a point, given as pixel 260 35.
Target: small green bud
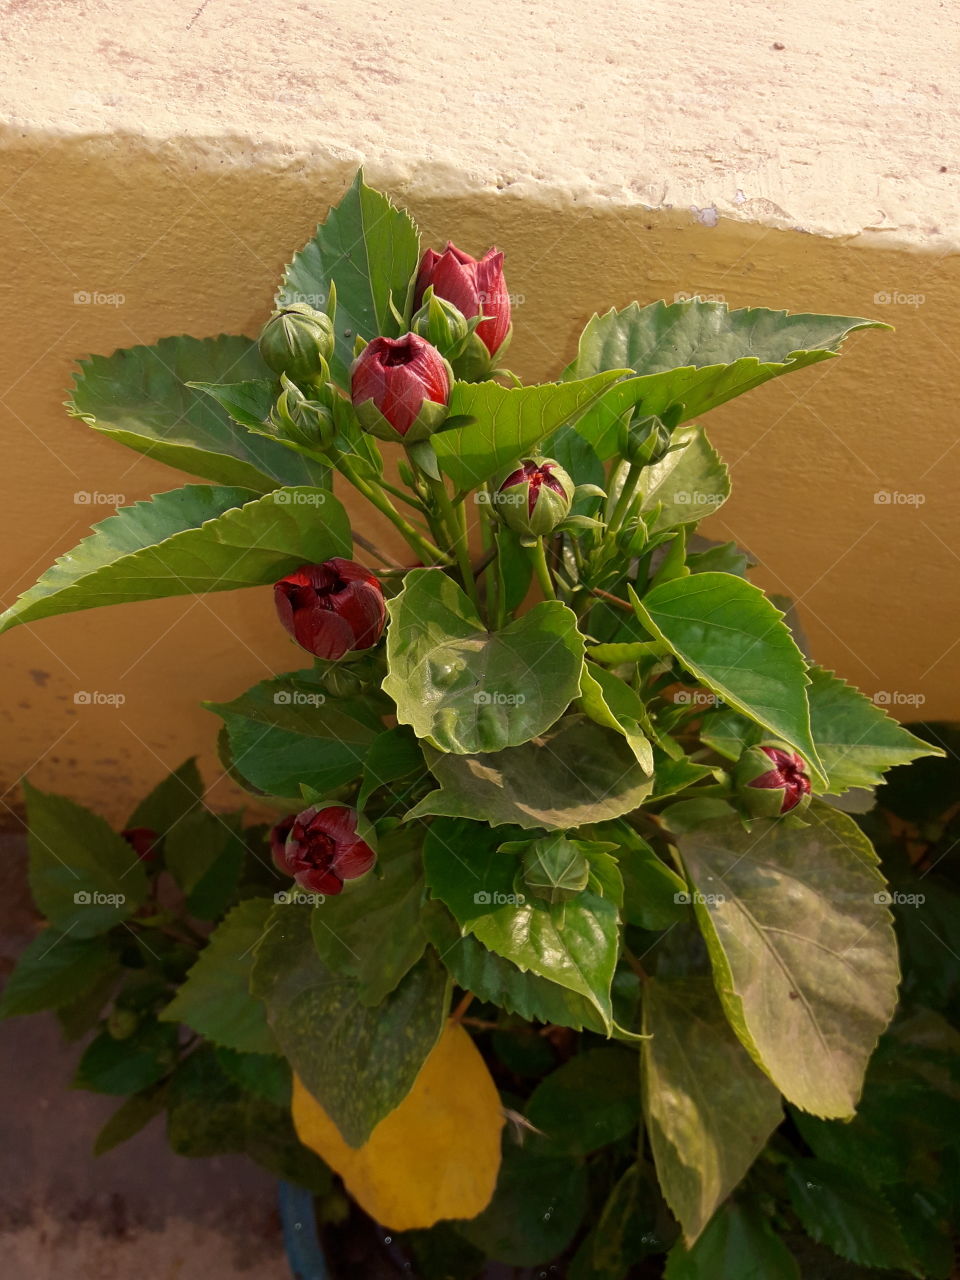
pixel 646 441
pixel 553 869
pixel 534 497
pixel 298 340
pixel 442 324
pixel 305 422
pixel 771 780
pixel 122 1023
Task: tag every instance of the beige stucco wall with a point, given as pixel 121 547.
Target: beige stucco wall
pixel 176 156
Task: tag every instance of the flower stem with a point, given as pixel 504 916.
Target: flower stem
pixel 542 571
pixel 627 494
pixel 424 548
pixel 456 525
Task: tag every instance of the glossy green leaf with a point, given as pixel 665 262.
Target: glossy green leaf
pixel 738 1242
pixel 709 1109
pixel 701 354
pixel 83 876
pixel 577 772
pixel 589 1102
pixel 370 250
pixel 802 948
pixel 215 999
pixel 199 538
pixel 288 732
pixel 653 894
pixel 854 1221
pixel 466 689
pixel 572 943
pixel 611 702
pixel 358 1062
pixel 140 397
pixel 248 403
pixel 728 635
pixel 129 1065
pixel 688 484
pixel 54 970
pixel 509 422
pixel 372 932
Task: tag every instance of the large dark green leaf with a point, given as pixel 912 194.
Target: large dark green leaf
pixel 578 772
pixel 128 1065
pixel 509 422
pixel 288 731
pixel 728 634
pixel 215 999
pixel 199 538
pixel 739 1242
pixel 572 943
pixel 358 1062
pixel 709 1109
pixel 802 948
pixel 370 250
pixel 140 397
pixel 589 1102
pixel 83 876
pixel 170 801
pixel 55 970
pixel 854 1221
pixel 701 354
pixel 466 689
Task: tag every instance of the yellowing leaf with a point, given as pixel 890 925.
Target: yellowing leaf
pixel 436 1156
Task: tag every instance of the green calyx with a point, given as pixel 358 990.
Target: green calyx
pixel 430 417
pixel 533 497
pixel 300 420
pixel 443 325
pixel 298 341
pixel 771 781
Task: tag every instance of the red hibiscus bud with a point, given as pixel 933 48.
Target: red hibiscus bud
pixel 400 388
pixel 772 780
pixel 143 842
pixel 473 286
pixel 331 609
pixel 278 838
pixel 322 849
pixel 534 498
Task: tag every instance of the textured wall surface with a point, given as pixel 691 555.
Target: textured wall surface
pixel 175 155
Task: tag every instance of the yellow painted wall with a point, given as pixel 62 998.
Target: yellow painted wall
pixel 194 236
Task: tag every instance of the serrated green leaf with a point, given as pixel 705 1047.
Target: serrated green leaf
pixel 509 422
pixel 263 1074
pixel 709 1110
pixel 83 876
pixel 593 1099
pixel 611 702
pixel 129 1065
pixel 577 772
pixel 650 887
pixel 140 397
pixel 199 538
pixel 573 943
pixel 856 1222
pixel 740 1242
pixel 170 801
pixel 802 948
pixel 687 485
pixel 358 1062
pixel 54 970
pixel 394 756
pixel 369 249
pixel 215 999
pixel 728 635
pixel 204 853
pixel 467 690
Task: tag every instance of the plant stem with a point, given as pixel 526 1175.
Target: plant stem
pixel 627 494
pixel 456 525
pixel 425 549
pixel 542 571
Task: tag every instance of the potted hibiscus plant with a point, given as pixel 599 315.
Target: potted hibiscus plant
pixel 560 902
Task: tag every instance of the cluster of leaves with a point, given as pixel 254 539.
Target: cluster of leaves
pixel 609 714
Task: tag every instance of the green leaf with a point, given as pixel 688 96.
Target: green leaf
pixel 263 1074
pixel 509 422
pixel 83 876
pixel 738 1242
pixel 133 1114
pixel 701 354
pixel 394 755
pixel 54 970
pixel 709 1110
pixel 611 702
pixel 215 999
pixel 248 403
pixel 589 1102
pixel 576 773
pixel 651 890
pixel 358 1062
pixel 535 1212
pixel 140 397
pixel 129 1065
pixel 170 801
pixel 199 538
pixel 287 732
pixel 370 251
pixel 688 484
pixel 499 981
pixel 204 853
pixel 718 557
pixel 372 931
pixel 854 1221
pixel 728 635
pixel 467 690
pixel 802 948
pixel 572 943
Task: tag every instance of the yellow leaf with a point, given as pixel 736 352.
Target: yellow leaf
pixel 436 1156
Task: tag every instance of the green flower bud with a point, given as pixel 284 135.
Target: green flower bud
pixel 298 341
pixel 122 1023
pixel 645 441
pixel 442 324
pixel 305 422
pixel 533 498
pixel 553 869
pixel 771 780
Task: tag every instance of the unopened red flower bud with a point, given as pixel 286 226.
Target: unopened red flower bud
pixel 534 497
pixel 322 849
pixel 400 388
pixel 772 780
pixel 333 608
pixel 473 286
pixel 143 841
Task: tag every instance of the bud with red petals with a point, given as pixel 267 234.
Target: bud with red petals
pixel 322 849
pixel 400 388
pixel 534 497
pixel 771 780
pixel 143 841
pixel 333 608
pixel 474 286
